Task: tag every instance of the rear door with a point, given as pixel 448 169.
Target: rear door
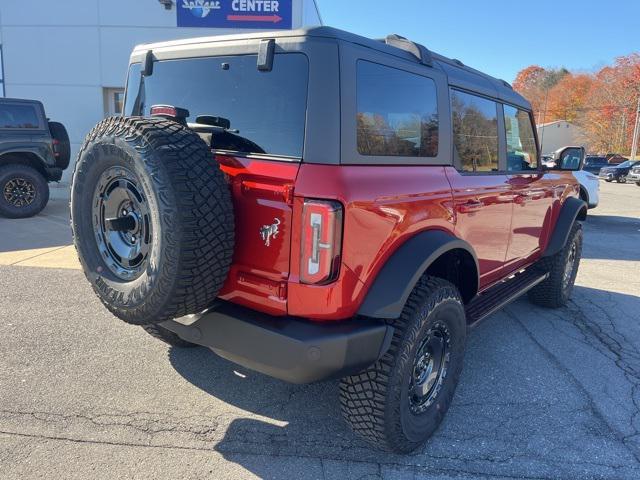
pixel 481 191
pixel 532 193
pixel 254 122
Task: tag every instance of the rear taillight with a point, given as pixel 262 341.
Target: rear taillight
pixel 163 111
pixel 55 142
pixel 321 241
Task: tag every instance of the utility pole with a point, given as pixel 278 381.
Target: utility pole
pixel 636 131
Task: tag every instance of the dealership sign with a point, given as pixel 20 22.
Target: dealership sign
pixel 272 14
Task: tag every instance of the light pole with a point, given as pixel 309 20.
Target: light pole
pixel 636 131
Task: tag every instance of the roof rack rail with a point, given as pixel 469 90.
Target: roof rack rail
pixel 421 52
pixel 506 84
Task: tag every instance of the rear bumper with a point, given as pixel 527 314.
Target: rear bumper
pixel 291 349
pixel 54 174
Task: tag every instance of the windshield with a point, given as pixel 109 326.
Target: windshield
pixel 625 164
pixel 266 110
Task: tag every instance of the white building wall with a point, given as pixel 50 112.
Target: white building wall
pixel 65 53
pixel 558 134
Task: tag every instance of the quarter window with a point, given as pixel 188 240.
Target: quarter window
pixel 397 112
pixel 475 132
pixel 14 115
pixel 521 144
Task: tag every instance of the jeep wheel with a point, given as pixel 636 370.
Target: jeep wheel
pixel 24 192
pixel 167 336
pixel 638 184
pixel 608 180
pixel 622 179
pixel 562 267
pixel 399 402
pixel 152 219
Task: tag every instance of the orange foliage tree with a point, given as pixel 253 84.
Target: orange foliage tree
pixel 603 103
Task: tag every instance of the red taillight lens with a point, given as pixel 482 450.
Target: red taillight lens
pixel 321 241
pixel 55 142
pixel 164 110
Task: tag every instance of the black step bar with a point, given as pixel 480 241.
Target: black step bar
pixel 501 294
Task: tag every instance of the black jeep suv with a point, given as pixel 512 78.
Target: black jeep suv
pixel 33 152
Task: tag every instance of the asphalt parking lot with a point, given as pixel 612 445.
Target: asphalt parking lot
pixel 544 394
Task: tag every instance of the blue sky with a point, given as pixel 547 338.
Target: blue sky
pixel 500 37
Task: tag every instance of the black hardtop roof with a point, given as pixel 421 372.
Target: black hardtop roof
pixel 459 75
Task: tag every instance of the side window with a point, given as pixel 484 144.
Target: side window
pixel 397 112
pixel 475 132
pixel 13 115
pixel 521 144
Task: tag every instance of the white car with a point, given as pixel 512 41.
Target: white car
pixel 589 187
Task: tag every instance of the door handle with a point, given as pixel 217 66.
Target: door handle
pixel 470 206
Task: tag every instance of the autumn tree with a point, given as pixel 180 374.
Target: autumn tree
pixel 602 103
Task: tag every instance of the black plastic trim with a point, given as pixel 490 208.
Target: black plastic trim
pixel 291 349
pixel 571 210
pixel 394 283
pixel 54 174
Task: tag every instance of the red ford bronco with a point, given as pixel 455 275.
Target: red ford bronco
pixel 313 204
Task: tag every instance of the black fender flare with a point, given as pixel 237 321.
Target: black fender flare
pixel 573 209
pixel 395 281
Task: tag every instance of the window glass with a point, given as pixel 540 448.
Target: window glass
pixel 14 115
pixel 475 132
pixel 521 144
pixel 267 110
pixel 397 112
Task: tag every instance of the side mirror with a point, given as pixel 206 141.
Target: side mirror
pixel 569 158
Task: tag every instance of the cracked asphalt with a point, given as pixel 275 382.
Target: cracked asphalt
pixel 544 394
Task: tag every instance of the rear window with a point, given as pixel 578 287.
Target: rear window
pixel 267 110
pixel 18 116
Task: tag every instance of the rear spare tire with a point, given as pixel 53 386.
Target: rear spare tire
pixel 152 219
pixel 62 146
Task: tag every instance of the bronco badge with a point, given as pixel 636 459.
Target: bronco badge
pixel 267 232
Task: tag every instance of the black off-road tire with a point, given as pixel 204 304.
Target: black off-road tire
pixel 167 336
pixel 9 174
pixel 556 290
pixel 376 402
pixel 189 211
pixel 622 179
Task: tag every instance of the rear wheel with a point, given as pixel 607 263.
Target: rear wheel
pixel 622 179
pixel 152 219
pixel 24 192
pixel 562 267
pixel 399 402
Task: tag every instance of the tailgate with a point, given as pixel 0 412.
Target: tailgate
pixel 262 193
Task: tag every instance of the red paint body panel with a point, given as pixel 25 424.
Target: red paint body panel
pixel 262 192
pixel 384 206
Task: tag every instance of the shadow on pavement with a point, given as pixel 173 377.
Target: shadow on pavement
pixel 612 237
pixel 507 417
pixel 48 229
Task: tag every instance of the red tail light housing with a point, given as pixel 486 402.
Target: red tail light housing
pixel 321 241
pixel 56 152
